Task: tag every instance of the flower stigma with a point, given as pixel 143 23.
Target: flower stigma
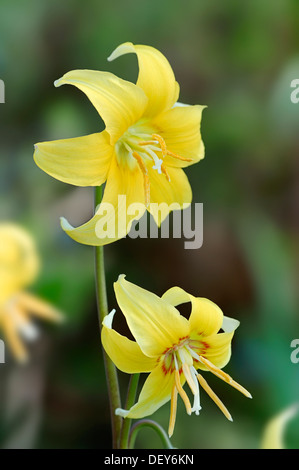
pixel 182 360
pixel 179 361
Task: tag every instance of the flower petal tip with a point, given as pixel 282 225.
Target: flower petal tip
pixel 65 225
pixel 108 319
pixel 57 83
pixel 120 50
pixel 121 412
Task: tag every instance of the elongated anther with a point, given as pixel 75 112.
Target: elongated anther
pixel 165 172
pixel 222 375
pixel 148 142
pixel 162 143
pixel 214 397
pixel 182 392
pixel 174 155
pixel 146 180
pixel 173 410
pixel 189 379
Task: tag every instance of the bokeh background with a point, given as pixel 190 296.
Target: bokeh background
pixel 238 58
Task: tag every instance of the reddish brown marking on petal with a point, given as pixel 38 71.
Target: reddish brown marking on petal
pixel 166 350
pixel 183 337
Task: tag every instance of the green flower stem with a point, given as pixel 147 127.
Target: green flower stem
pixel 102 305
pixel 132 389
pixel 155 426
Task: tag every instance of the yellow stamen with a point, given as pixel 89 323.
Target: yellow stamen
pixel 189 379
pixel 158 139
pixel 162 143
pixel 214 397
pixel 166 152
pixel 182 392
pixel 145 177
pixel 147 190
pixel 165 172
pixel 174 155
pixel 164 149
pixel 223 376
pixel 148 142
pixel 173 409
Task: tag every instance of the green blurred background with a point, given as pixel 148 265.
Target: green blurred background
pixel 238 58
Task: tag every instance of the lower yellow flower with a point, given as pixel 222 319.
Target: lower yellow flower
pixel 170 347
pixel 19 265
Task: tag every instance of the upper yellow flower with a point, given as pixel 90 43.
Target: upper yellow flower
pixel 19 264
pixel 148 139
pixel 170 347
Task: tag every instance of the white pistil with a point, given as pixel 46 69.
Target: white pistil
pixel 196 404
pixel 193 354
pixel 158 161
pixel 175 362
pixel 190 375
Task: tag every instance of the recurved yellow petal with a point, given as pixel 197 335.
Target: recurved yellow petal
pixel 126 354
pixel 155 324
pixel 180 128
pixel 206 317
pixel 218 349
pixel 167 193
pixel 155 77
pixel 112 219
pixel 81 161
pixel 155 392
pixel 119 102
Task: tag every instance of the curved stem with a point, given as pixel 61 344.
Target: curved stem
pixel 132 389
pixel 155 426
pixel 102 306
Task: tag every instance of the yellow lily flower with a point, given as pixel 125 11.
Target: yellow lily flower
pixel 19 265
pixel 170 347
pixel 149 137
